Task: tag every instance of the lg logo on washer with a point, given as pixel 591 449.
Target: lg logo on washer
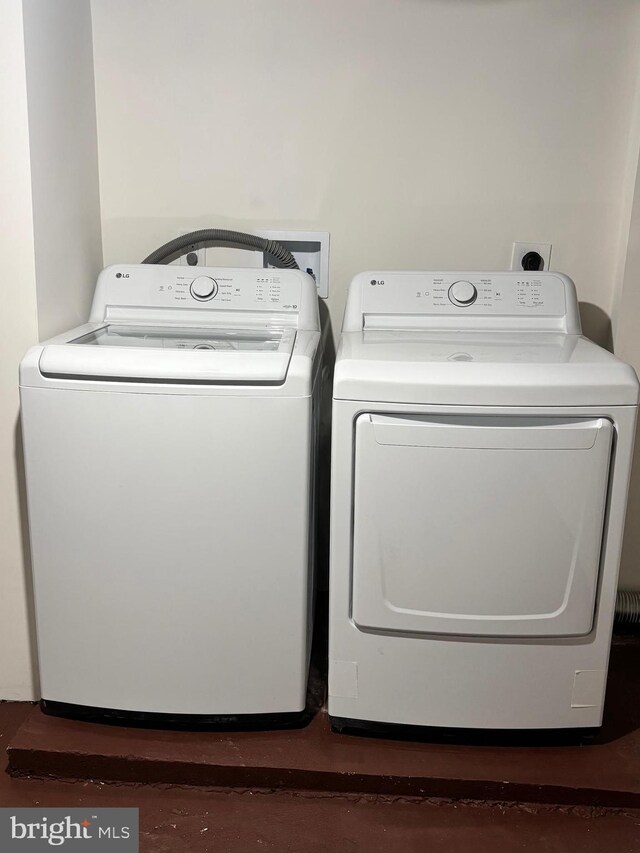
pixel 379 282
pixel 122 275
pixel 115 829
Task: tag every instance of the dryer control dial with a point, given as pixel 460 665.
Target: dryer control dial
pixel 463 293
pixel 204 287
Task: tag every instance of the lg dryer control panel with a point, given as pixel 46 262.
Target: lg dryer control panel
pixel 462 300
pixel 279 292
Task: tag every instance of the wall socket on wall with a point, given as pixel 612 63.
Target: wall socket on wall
pixel 311 251
pixel 521 249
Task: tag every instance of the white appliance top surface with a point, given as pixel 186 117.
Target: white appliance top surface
pixel 415 345
pixel 171 354
pixel 177 338
pixel 483 368
pixel 173 324
pixel 473 338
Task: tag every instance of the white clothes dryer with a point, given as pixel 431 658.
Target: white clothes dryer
pixel 481 451
pixel 169 448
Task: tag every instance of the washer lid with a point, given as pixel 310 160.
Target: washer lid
pixel 173 354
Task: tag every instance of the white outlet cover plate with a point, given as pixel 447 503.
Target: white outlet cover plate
pixel 521 249
pixel 317 261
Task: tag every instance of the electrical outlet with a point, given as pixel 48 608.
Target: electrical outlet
pixel 521 249
pixel 194 256
pixel 311 251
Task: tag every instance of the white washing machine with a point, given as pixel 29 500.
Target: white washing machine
pixel 481 456
pixel 169 449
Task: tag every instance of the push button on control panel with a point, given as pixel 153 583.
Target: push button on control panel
pixel 203 287
pixel 463 293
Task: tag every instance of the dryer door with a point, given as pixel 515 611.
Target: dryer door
pixel 478 525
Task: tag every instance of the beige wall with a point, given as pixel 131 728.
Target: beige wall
pixel 425 134
pixel 17 290
pixel 420 133
pixel 50 243
pixel 64 160
pixel 627 346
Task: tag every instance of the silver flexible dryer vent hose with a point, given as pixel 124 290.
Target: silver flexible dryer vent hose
pixel 628 607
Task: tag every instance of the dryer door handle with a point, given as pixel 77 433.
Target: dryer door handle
pixel 490 433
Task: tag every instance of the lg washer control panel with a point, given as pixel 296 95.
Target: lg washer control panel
pixel 235 290
pixel 454 293
pixel 215 288
pixel 203 288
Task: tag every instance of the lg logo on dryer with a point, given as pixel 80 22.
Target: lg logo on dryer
pixel 122 275
pixel 375 281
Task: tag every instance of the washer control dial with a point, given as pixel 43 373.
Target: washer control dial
pixel 204 287
pixel 463 293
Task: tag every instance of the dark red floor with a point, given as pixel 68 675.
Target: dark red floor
pixel 603 773
pixel 197 819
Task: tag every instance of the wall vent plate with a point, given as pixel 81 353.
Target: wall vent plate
pixel 309 248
